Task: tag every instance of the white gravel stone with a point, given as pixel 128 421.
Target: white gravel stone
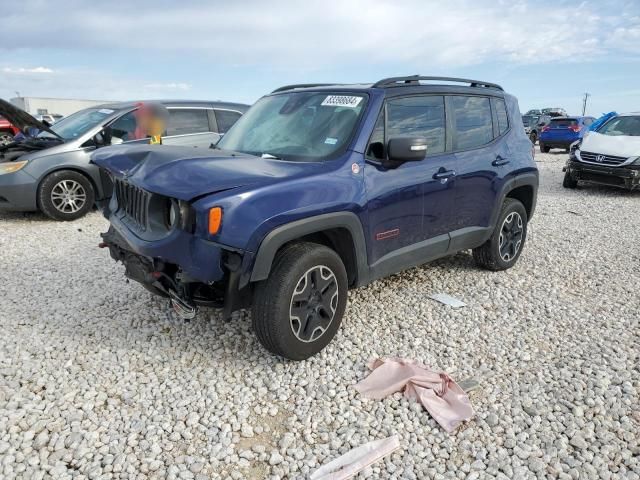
pixel 98 379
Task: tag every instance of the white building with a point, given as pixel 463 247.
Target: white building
pixel 60 106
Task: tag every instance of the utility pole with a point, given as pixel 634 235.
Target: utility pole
pixel 584 103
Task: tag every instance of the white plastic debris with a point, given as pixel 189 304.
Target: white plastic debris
pixel 356 460
pixel 448 300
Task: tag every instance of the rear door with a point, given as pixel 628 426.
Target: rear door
pixel 482 161
pixel 190 126
pixel 407 205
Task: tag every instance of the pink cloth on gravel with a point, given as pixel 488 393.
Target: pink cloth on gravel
pixel 443 398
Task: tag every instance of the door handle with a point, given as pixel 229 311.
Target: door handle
pixel 439 175
pixel 499 161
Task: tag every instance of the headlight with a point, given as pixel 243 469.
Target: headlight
pixel 10 167
pixel 172 214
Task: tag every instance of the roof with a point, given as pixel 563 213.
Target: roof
pixel 177 103
pixel 413 82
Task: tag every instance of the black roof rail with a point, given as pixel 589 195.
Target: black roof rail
pixel 302 85
pixel 415 80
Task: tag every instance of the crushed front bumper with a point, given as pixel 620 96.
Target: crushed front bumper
pixel 625 177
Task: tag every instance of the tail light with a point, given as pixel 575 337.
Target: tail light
pixel 575 128
pixel 546 129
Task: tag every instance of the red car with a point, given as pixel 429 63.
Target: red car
pixel 7 131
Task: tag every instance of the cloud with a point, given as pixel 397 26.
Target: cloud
pixel 169 86
pixel 320 33
pixel 22 70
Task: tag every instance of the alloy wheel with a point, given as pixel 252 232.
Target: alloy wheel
pixel 511 236
pixel 68 196
pixel 313 303
pixel 5 139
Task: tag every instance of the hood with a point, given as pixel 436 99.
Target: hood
pixel 20 119
pixel 619 146
pixel 186 173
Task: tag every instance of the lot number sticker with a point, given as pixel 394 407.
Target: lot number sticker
pixel 341 101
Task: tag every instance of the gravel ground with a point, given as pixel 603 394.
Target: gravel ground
pixel 99 380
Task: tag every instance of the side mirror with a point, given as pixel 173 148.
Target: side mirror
pixel 103 138
pixel 407 149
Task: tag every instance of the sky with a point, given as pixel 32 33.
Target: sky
pixel 546 53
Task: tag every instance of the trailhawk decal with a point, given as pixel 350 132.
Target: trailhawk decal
pixel 341 101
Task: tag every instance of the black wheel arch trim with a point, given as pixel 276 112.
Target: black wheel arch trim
pixel 291 231
pixel 529 179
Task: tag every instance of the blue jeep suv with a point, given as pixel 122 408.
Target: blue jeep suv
pixel 318 189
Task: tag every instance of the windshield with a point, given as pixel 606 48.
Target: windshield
pixel 529 120
pixel 79 123
pixel 617 126
pixel 298 126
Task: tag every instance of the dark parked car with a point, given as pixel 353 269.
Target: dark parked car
pixel 533 125
pixel 561 132
pixel 52 172
pixel 318 189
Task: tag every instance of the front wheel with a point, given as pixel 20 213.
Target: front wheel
pixel 65 195
pixel 299 308
pixel 5 138
pixel 568 181
pixel 504 247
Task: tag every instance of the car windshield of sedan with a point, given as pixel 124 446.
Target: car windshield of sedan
pixel 79 123
pixel 618 126
pixel 297 126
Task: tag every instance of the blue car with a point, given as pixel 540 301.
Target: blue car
pixel 561 132
pixel 318 189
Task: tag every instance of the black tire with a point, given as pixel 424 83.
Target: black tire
pixel 5 138
pixel 79 200
pixel 494 256
pixel 544 148
pixel 277 329
pixel 568 181
pixel 533 137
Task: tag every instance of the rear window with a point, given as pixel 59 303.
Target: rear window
pixel 563 122
pixel 472 122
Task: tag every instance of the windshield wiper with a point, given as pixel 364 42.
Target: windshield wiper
pixel 270 157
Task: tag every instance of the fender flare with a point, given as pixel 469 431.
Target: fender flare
pixel 529 179
pixel 306 226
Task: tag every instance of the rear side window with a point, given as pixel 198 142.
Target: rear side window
pixel 226 119
pixel 418 117
pixel 503 119
pixel 472 122
pixel 187 120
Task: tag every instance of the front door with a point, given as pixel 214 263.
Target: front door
pixel 410 206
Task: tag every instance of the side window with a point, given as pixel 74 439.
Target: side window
pixel 125 127
pixel 418 117
pixel 472 122
pixel 226 119
pixel 183 121
pixel 503 119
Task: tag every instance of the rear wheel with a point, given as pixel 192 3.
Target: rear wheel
pixel 569 181
pixel 544 148
pixel 504 247
pixel 5 138
pixel 299 308
pixel 65 195
pixel 533 136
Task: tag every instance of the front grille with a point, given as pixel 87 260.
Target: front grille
pixel 133 201
pixel 597 178
pixel 602 159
